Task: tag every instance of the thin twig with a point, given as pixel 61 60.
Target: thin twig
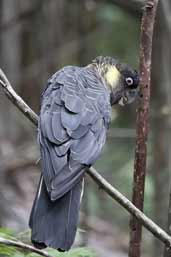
pixel 147 27
pixel 108 188
pixel 17 100
pixel 21 245
pixel 130 207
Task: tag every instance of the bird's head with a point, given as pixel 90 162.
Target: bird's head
pixel 121 79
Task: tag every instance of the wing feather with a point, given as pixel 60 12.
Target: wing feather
pixel 72 127
pixel 70 120
pixel 72 102
pixel 58 129
pixel 79 132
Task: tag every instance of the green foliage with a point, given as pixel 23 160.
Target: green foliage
pixel 77 252
pixel 120 34
pixel 10 251
pixel 6 250
pixel 8 233
pixel 24 236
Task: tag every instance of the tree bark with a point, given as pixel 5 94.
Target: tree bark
pixel 147 26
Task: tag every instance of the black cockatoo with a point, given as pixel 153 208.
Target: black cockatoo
pixel 74 118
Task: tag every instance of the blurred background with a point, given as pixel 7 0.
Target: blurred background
pixel 36 39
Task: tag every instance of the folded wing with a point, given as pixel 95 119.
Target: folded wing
pixel 73 121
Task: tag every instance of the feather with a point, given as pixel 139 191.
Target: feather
pixel 47 169
pixel 81 145
pixel 58 130
pixel 69 120
pixel 64 182
pixel 98 125
pixel 71 134
pixel 58 97
pixel 58 162
pixel 54 223
pixel 79 132
pixel 74 103
pixel 48 127
pixel 63 148
pixel 89 116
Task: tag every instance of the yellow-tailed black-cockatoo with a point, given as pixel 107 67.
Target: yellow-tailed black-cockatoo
pixel 74 118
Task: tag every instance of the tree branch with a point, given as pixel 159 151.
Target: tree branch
pixel 16 99
pixel 108 188
pixel 23 246
pixel 147 27
pixel 130 207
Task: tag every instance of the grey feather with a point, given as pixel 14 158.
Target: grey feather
pixel 82 144
pixel 47 131
pixel 69 120
pixel 79 132
pixel 75 111
pixel 58 97
pixel 89 116
pixel 66 180
pixel 73 102
pixel 47 168
pixel 54 224
pixel 58 129
pixel 58 162
pixel 63 148
pixel 82 148
pixel 97 125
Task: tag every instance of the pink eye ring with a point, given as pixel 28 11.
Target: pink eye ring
pixel 129 81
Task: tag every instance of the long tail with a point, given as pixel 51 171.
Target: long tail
pixel 54 223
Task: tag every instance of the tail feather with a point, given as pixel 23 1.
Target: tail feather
pixel 54 223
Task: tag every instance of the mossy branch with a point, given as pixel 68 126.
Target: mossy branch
pixel 23 246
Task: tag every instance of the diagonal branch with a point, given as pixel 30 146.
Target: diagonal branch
pixel 107 187
pixel 23 246
pixel 16 99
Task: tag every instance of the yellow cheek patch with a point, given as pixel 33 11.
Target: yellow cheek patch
pixel 112 76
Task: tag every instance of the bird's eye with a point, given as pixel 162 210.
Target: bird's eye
pixel 129 81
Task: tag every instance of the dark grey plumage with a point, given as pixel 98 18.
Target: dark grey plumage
pixel 74 116
pixel 51 222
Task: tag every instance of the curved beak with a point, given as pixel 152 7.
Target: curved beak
pixel 128 96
